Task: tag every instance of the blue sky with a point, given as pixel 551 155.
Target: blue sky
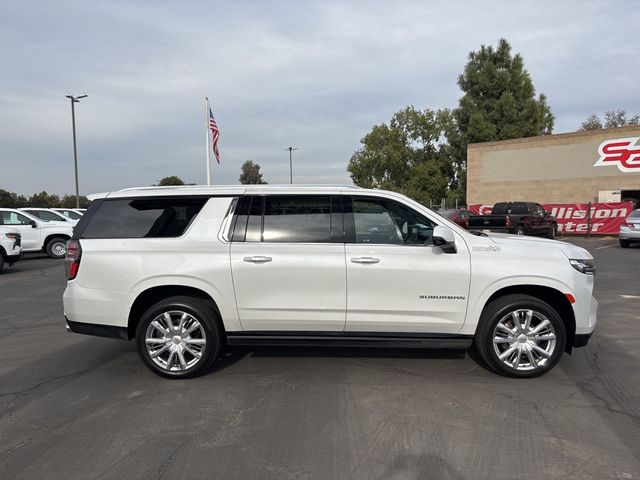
pixel 316 75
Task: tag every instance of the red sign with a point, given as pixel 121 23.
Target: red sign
pixel 606 218
pixel 621 152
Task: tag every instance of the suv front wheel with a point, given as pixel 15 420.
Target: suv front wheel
pixel 179 337
pixel 520 336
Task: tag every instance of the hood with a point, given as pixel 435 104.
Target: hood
pixel 569 249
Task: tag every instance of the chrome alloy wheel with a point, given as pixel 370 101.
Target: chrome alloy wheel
pixel 59 248
pixel 175 341
pixel 524 339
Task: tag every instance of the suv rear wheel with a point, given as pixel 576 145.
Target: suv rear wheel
pixel 520 336
pixel 624 243
pixel 179 337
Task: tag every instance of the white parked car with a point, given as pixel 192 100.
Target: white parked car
pixel 48 215
pixel 184 270
pixel 10 246
pixel 630 230
pixel 38 235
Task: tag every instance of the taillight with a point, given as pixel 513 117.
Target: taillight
pixel 72 259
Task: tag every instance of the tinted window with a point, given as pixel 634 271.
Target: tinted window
pixel 242 214
pixel 300 219
pixel 379 221
pixel 519 208
pixel 143 218
pixel 635 214
pixel 500 208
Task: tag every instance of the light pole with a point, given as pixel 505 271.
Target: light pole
pixel 291 149
pixel 75 100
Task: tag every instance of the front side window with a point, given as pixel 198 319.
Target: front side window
pixel 381 221
pixel 143 217
pixel 13 218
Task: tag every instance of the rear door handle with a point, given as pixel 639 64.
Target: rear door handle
pixel 365 260
pixel 257 259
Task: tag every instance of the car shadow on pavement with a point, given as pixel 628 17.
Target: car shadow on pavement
pixel 345 352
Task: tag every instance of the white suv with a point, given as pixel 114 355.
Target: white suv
pixel 184 270
pixel 38 235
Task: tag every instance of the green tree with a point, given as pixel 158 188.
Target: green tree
pixel 406 156
pixel 250 174
pixel 172 180
pixel 612 119
pixel 69 201
pixel 44 200
pixel 499 103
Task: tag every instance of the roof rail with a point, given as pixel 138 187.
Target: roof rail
pixel 284 185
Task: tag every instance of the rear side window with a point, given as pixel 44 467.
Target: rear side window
pixel 500 208
pixel 519 208
pixel 143 217
pixel 289 219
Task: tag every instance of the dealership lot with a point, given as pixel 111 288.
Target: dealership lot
pixel 83 407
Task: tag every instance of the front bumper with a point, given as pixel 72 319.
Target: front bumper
pixel 585 331
pixel 11 259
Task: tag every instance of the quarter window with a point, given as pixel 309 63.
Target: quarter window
pixel 143 218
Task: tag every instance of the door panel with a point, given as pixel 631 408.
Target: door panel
pixel 397 281
pixel 288 263
pixel 407 288
pixel 292 287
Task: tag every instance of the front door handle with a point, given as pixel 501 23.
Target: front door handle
pixel 257 259
pixel 365 260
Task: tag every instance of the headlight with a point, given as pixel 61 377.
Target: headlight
pixel 583 265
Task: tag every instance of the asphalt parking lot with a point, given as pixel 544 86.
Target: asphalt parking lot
pixel 77 407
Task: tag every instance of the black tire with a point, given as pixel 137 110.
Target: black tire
pixel 519 230
pixel 501 309
pixel 552 232
pixel 624 243
pixel 211 332
pixel 1 262
pixel 56 247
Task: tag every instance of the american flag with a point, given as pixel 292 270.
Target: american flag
pixel 215 135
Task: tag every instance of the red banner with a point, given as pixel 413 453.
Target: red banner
pixel 606 218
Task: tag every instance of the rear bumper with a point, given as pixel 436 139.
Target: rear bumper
pixel 628 234
pixel 107 331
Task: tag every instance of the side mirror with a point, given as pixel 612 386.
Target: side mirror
pixel 33 223
pixel 444 238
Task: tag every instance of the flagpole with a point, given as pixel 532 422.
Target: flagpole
pixel 206 142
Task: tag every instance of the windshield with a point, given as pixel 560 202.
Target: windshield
pixel 635 214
